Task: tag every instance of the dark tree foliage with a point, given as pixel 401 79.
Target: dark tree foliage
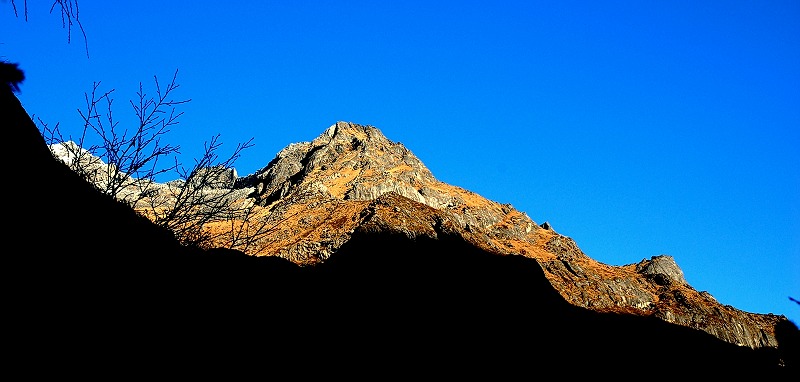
pixel 10 76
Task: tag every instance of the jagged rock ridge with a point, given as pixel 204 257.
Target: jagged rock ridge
pixel 350 166
pixel 353 178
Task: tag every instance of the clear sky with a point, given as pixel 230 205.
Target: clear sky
pixel 636 128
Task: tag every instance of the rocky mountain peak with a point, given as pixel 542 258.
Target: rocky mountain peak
pixel 351 179
pixel 347 161
pixel 350 165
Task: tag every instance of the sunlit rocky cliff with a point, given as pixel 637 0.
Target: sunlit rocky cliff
pixel 314 195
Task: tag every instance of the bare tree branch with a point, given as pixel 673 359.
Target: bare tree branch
pixel 205 195
pixel 70 17
pixel 125 164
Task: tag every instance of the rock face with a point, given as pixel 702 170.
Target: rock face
pixel 350 177
pixel 329 182
pixel 662 268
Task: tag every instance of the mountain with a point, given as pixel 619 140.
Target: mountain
pixel 96 290
pixel 352 178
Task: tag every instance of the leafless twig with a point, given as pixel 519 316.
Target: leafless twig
pixel 70 17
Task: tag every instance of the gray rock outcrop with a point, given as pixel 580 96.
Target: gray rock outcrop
pixel 660 267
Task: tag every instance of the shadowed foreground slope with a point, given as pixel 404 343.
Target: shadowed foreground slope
pixel 97 290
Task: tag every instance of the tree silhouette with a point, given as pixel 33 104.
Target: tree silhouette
pixel 11 76
pixel 126 162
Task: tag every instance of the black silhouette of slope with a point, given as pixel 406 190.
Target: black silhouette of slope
pixel 499 314
pixel 95 290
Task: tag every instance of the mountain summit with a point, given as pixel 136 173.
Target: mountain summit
pixel 319 192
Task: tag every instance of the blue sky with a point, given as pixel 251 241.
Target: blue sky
pixel 636 128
